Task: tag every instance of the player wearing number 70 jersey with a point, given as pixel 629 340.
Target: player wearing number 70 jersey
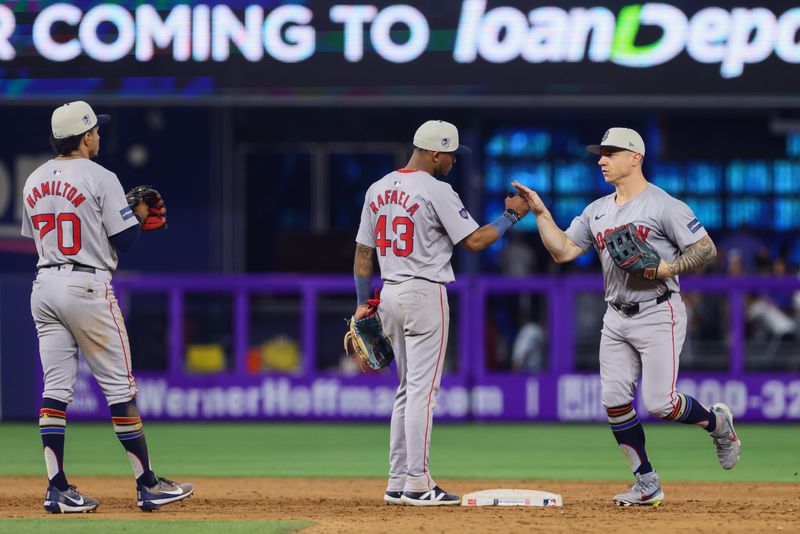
pixel 76 212
pixel 413 221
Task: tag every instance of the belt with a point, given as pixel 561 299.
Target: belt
pixel 76 267
pixel 633 309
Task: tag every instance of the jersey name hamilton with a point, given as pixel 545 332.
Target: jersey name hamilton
pixel 413 221
pixel 57 188
pixel 666 224
pixel 71 208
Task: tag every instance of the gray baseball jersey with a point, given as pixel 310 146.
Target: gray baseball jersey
pixel 71 208
pixel 648 342
pixel 667 224
pixel 413 221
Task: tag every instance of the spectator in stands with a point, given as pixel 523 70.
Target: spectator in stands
pixel 528 354
pixel 770 324
pixel 748 245
pixel 517 258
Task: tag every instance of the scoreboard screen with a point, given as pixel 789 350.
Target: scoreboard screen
pixel 454 52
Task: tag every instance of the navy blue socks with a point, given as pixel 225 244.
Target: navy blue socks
pixel 629 433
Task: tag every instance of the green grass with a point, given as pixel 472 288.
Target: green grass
pixel 86 525
pixel 559 452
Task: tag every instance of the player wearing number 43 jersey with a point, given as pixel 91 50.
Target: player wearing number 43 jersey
pixel 77 213
pixel 413 221
pixel 645 239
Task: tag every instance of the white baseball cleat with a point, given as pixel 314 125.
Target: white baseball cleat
pixel 645 492
pixel 724 436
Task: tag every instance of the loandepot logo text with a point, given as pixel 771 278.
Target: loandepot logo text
pixel 731 38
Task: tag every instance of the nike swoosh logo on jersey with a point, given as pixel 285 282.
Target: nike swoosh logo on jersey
pixel 598 217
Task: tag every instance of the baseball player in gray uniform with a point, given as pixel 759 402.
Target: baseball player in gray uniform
pixel 413 221
pixel 78 216
pixel 644 326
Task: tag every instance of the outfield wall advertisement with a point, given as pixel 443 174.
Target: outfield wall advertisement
pixel 566 397
pixel 467 47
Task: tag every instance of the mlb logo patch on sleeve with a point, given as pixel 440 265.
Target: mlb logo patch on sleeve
pixel 463 213
pixel 694 225
pixel 126 213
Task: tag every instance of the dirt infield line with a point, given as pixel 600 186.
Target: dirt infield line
pixel 355 505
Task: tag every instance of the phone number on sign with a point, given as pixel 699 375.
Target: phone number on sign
pixel 775 399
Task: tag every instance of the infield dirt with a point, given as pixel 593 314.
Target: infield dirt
pixel 355 505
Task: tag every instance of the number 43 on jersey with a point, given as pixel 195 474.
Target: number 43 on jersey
pixel 403 229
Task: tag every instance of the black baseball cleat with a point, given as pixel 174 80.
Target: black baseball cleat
pixel 164 492
pixel 393 497
pixel 68 501
pixel 435 497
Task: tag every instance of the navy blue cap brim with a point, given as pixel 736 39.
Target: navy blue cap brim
pixel 463 149
pixel 595 149
pixel 103 119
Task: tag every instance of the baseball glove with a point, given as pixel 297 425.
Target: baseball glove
pixel 631 253
pixel 366 341
pixel 156 210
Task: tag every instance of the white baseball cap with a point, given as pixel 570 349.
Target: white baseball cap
pixel 75 118
pixel 623 138
pixel 439 136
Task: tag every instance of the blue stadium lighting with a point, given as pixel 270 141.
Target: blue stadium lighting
pixel 669 177
pixel 704 177
pixel 793 145
pixel 749 176
pixel 786 176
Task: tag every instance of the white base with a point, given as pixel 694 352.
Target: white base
pixel 511 497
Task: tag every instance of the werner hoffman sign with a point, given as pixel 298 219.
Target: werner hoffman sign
pixel 476 47
pixel 550 397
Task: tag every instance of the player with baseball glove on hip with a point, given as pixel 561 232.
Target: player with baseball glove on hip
pixel 645 238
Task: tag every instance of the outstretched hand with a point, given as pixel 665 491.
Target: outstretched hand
pixel 531 197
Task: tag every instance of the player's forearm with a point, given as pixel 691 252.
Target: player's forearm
pixel 486 235
pixel 481 239
pixel 362 273
pixel 125 240
pixel 694 258
pixel 362 266
pixel 554 239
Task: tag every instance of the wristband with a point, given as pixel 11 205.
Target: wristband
pixel 362 289
pixel 502 224
pixel 506 220
pixel 513 215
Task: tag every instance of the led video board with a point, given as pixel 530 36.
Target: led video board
pixel 431 49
